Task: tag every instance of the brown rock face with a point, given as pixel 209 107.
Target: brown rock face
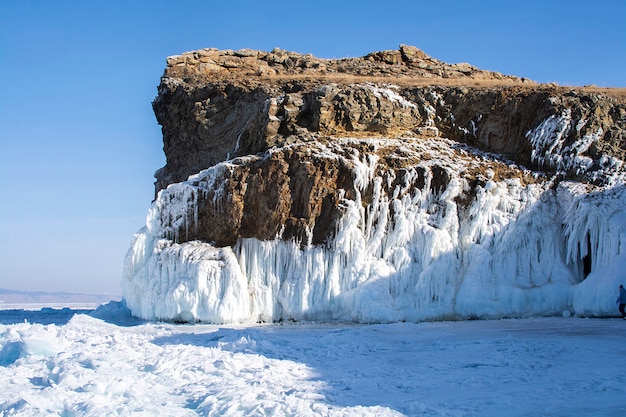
pixel 275 115
pixel 298 191
pixel 288 194
pixel 409 61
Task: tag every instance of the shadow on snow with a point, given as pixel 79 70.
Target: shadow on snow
pixel 408 367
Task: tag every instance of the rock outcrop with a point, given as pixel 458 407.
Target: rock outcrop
pixel 396 147
pixel 408 61
pixel 215 105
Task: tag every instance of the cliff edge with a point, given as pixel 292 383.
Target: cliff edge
pixel 388 187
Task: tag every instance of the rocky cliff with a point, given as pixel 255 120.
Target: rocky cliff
pixel 380 168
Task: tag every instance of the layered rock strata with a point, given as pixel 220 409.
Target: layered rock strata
pixel 216 112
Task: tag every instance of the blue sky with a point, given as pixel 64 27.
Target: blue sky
pixel 79 142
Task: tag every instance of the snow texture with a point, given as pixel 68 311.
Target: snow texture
pixel 390 93
pixel 411 255
pixel 519 367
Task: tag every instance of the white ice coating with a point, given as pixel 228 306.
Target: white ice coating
pixel 548 141
pixel 410 254
pixel 390 94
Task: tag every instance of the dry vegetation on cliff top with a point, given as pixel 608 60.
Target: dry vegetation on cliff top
pixel 406 67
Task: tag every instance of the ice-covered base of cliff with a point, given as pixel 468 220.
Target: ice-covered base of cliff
pixel 408 255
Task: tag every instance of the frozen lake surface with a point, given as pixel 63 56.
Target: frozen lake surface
pixel 107 363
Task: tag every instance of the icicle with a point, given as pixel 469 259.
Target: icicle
pixel 410 254
pixel 548 140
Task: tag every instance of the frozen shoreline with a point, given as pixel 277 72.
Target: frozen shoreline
pixel 512 367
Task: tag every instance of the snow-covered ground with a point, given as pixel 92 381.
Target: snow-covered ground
pixel 107 363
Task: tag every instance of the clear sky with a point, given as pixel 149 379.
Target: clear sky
pixel 79 142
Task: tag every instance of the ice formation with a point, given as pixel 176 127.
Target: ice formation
pixel 412 254
pixel 390 93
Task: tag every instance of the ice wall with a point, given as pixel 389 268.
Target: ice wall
pixel 412 254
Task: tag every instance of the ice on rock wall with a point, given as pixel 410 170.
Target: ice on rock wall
pixel 596 229
pixel 185 282
pixel 548 141
pixel 410 254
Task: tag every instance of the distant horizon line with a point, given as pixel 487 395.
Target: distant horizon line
pixel 25 292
